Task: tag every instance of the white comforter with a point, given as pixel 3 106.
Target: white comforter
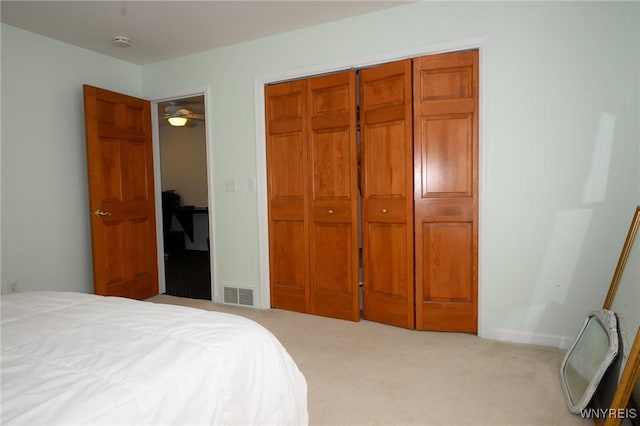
pixel 73 358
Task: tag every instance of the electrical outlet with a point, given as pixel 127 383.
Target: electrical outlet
pixel 14 287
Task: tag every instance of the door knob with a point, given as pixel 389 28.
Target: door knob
pixel 100 213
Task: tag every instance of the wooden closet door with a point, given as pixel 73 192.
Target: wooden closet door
pixel 287 186
pixel 446 191
pixel 333 227
pixel 387 193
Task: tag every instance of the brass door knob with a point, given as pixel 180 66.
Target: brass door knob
pixel 100 213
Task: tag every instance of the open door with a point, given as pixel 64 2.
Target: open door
pixel 121 194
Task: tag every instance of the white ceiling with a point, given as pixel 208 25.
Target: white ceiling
pixel 161 30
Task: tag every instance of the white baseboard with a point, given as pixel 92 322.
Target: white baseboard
pixel 514 336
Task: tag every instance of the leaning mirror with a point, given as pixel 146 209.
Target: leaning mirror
pixel 601 370
pixel 589 358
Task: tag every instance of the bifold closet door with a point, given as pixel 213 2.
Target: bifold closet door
pixel 387 193
pixel 312 193
pixel 287 186
pixel 333 185
pixel 446 191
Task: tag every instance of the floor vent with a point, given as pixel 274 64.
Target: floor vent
pixel 238 296
pixel 245 296
pixel 231 295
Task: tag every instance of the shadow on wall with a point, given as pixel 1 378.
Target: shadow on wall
pixel 569 255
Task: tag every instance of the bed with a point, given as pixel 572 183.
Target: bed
pixel 74 358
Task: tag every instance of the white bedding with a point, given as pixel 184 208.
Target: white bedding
pixel 74 358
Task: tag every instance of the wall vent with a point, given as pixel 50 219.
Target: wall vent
pixel 238 296
pixel 245 296
pixel 231 295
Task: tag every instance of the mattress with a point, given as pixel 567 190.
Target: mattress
pixel 75 358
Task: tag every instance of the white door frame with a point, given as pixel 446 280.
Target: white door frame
pixel 157 176
pixel 260 81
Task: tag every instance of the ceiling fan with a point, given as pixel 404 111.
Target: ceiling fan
pixel 179 115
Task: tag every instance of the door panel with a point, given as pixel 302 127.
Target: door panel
pixel 387 193
pixel 288 195
pixel 333 279
pixel 389 240
pixel 333 237
pixel 448 256
pixel 446 145
pixel 121 194
pixel 333 267
pixel 446 190
pixel 137 184
pixel 288 241
pixel 330 152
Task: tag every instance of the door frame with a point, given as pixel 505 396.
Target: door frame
pixel 480 43
pixel 155 123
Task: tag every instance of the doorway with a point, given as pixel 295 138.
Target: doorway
pixel 184 197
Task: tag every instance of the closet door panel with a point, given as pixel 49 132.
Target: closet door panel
pixel 288 195
pixel 387 193
pixel 332 161
pixel 333 272
pixel 331 166
pixel 385 157
pixel 288 241
pixel 447 256
pixel 389 271
pixel 446 191
pixel 449 274
pixel 287 182
pixel 447 143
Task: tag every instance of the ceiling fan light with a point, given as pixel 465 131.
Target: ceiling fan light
pixel 177 121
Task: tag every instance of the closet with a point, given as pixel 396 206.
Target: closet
pixel 372 177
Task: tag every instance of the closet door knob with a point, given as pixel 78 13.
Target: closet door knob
pixel 384 210
pixel 330 211
pixel 100 213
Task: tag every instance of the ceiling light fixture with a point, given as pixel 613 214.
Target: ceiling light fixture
pixel 121 41
pixel 177 120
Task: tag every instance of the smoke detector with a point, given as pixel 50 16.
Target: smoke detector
pixel 121 41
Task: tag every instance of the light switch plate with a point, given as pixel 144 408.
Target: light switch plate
pixel 230 185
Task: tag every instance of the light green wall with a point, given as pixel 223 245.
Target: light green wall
pixel 555 76
pixel 559 83
pixel 45 220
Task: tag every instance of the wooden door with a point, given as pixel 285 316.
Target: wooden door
pixel 287 186
pixel 333 171
pixel 446 191
pixel 121 194
pixel 387 193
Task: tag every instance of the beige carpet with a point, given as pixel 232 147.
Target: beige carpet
pixel 367 373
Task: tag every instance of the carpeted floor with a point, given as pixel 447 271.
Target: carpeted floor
pixel 367 373
pixel 188 274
